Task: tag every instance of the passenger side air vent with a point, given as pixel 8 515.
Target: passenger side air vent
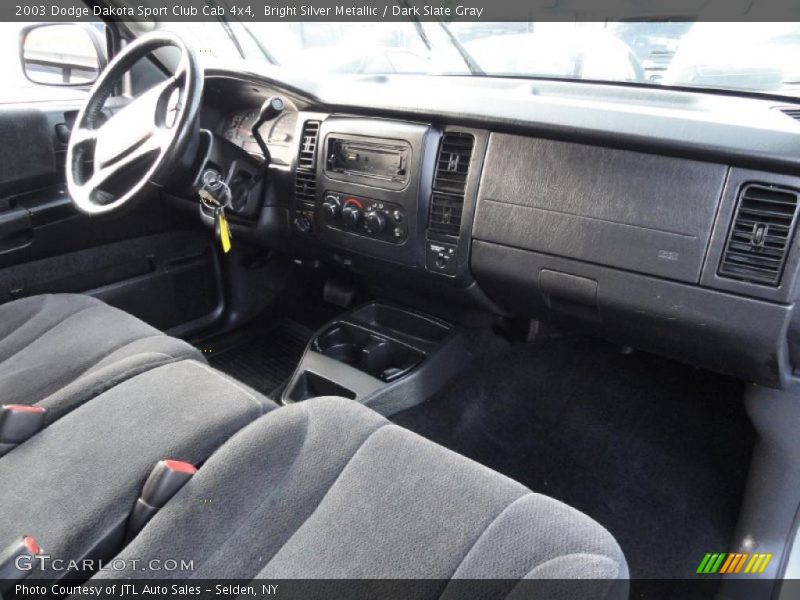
pixel 305 183
pixel 450 182
pixel 760 235
pixel 446 213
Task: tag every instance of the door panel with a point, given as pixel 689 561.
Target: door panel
pixel 150 260
pixel 27 151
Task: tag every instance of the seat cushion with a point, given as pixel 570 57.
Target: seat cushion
pixel 73 484
pixel 59 350
pixel 329 489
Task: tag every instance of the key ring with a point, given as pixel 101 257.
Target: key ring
pixel 212 188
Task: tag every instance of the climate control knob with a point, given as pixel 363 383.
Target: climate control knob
pixel 330 208
pixel 352 216
pixel 375 222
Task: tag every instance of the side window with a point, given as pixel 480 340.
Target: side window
pixel 54 56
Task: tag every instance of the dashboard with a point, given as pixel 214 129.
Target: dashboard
pixel 663 220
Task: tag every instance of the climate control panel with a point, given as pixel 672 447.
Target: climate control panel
pixel 378 219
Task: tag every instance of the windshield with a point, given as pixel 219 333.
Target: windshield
pixel 760 57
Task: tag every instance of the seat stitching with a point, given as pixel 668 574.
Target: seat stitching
pixel 125 345
pixel 92 395
pixel 141 339
pixel 483 533
pixel 330 487
pixel 70 378
pixel 573 554
pixel 527 575
pixel 231 382
pixel 325 495
pixel 244 519
pixel 555 558
pixel 122 376
pixel 88 368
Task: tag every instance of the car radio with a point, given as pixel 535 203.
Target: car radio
pixel 385 160
pixel 372 187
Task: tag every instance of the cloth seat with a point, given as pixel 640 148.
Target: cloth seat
pixel 329 489
pixel 73 484
pixel 59 350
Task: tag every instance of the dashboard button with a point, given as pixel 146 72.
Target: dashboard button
pixel 441 258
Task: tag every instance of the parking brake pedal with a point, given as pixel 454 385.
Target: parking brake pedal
pixel 10 560
pixel 18 422
pixel 166 478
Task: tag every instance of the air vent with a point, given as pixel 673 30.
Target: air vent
pixel 761 234
pixel 446 213
pixel 308 146
pixel 453 165
pixel 450 183
pixel 305 189
pixel 305 183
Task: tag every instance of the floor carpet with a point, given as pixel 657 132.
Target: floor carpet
pixel 655 451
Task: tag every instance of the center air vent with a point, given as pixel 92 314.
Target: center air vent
pixel 450 183
pixel 760 235
pixel 305 185
pixel 308 145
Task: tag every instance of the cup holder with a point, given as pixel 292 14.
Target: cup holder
pixel 383 358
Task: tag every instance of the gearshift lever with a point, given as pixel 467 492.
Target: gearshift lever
pixel 269 110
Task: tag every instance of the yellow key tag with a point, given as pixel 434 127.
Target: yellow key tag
pixel 224 232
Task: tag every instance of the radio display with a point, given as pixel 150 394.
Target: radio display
pixel 386 160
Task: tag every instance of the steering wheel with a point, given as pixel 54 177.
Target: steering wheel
pixel 109 163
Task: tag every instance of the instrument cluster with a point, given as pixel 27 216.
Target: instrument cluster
pixel 279 133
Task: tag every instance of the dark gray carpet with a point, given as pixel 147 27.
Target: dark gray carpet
pixel 262 357
pixel 655 451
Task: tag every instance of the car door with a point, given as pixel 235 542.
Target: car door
pixel 152 261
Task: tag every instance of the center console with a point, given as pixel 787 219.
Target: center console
pixel 384 356
pixel 395 191
pixel 372 182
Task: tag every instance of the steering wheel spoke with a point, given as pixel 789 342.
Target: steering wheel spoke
pixel 81 136
pixel 152 147
pixel 139 143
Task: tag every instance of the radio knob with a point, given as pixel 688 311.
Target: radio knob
pixel 375 222
pixel 352 216
pixel 330 208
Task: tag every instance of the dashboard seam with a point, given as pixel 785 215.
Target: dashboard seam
pixel 564 212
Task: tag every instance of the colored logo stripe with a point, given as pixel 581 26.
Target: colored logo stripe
pixel 734 563
pixel 711 563
pixel 731 563
pixel 758 563
pixel 726 566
